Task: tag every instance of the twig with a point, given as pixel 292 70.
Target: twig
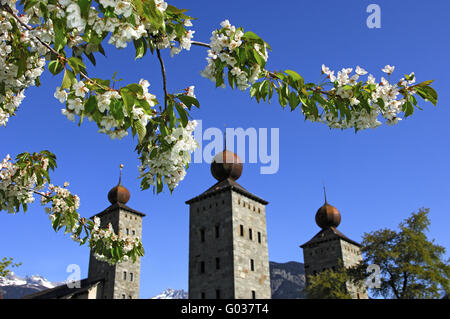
pixel 163 71
pixel 202 44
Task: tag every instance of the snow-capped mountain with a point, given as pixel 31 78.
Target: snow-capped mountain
pixel 13 286
pixel 172 294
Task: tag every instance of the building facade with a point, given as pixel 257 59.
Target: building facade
pixel 330 249
pixel 228 253
pixel 121 281
pixel 105 281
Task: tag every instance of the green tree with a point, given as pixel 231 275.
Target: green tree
pixel 328 284
pixel 4 264
pixel 411 265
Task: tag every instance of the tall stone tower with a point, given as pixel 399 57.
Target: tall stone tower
pixel 120 281
pixel 329 248
pixel 228 255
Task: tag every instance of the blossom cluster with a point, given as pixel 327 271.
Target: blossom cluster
pixel 107 238
pixel 344 83
pixel 169 162
pixel 15 185
pixel 119 25
pixel 63 206
pixel 15 76
pixel 223 44
pixel 75 105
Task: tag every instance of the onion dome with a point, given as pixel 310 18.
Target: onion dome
pixel 225 165
pixel 119 194
pixel 328 216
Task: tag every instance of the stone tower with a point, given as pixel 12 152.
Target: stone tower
pixel 329 248
pixel 228 255
pixel 120 281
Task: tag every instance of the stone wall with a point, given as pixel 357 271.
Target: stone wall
pixel 117 286
pixel 251 215
pixel 226 211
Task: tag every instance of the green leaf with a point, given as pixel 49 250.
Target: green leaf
pixel 55 67
pixel 29 4
pixel 183 114
pixel 428 93
pixel 68 79
pixel 251 35
pixel 76 64
pixel 128 100
pixel 295 78
pixel 60 35
pixel 141 48
pixel 408 108
pixel 259 59
pixel 136 88
pixel 159 184
pixel 84 8
pixel 294 101
pixel 141 130
pixel 116 108
pixel 91 104
pixel 189 100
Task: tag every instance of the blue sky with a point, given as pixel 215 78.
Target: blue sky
pixel 376 178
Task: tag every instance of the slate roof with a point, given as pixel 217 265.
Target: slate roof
pixel 63 291
pixel 116 206
pixel 327 234
pixel 227 184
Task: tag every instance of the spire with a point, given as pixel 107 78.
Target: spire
pixel 119 194
pixel 327 215
pixel 120 174
pixel 225 138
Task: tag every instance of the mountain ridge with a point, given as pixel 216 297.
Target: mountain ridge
pixel 287 281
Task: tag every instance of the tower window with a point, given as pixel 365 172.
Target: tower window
pixel 202 267
pixel 131 276
pixel 250 234
pixel 259 237
pixel 218 294
pixel 252 265
pixel 133 232
pixel 242 230
pixel 253 294
pixel 123 296
pixel 217 231
pixel 259 210
pixel 128 231
pixel 217 263
pixel 124 275
pixel 202 235
pixel 129 297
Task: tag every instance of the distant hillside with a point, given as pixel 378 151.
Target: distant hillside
pixel 287 280
pixel 14 287
pixel 172 294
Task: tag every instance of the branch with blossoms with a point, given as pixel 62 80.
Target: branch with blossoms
pixel 48 30
pixel 29 175
pixel 349 103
